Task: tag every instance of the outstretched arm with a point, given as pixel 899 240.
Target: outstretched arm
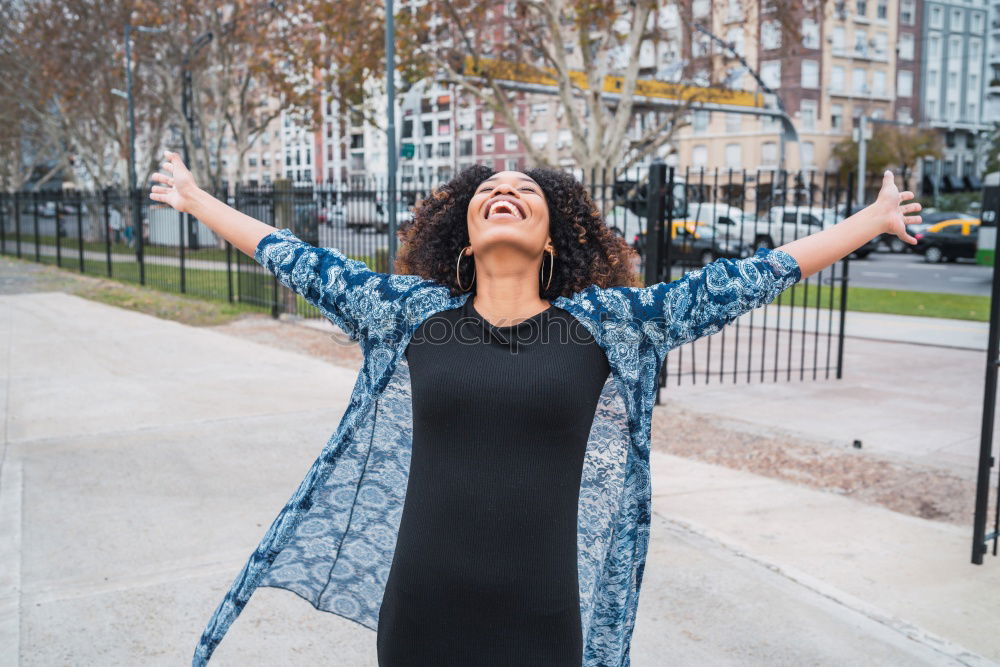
pixel 889 214
pixel 702 301
pixel 345 290
pixel 180 191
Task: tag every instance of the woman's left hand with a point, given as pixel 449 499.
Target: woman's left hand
pixel 892 209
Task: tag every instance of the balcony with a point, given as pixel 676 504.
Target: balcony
pixel 993 58
pixel 993 87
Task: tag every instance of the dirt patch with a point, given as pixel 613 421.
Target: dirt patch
pixel 919 491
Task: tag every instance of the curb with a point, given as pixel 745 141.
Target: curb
pixel 946 648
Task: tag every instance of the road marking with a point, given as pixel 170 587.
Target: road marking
pixel 880 274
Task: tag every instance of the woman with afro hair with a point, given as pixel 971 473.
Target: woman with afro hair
pixel 485 500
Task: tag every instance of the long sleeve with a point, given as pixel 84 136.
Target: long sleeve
pixel 705 300
pixel 345 290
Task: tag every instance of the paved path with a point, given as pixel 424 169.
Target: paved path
pixel 143 460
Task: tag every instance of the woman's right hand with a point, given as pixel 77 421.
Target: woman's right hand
pixel 180 190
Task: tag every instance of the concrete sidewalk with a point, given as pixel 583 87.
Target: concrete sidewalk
pixel 144 459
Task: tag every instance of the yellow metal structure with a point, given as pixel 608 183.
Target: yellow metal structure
pixel 522 73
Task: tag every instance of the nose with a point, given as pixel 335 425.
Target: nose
pixel 505 188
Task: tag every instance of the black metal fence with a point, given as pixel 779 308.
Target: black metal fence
pixel 709 215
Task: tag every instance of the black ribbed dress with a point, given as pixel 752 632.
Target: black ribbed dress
pixel 485 567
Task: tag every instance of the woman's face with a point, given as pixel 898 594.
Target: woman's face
pixel 509 209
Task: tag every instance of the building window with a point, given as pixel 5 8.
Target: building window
pixel 539 138
pixel 770 72
pixel 860 42
pixel 861 7
pixel 510 142
pixel 936 17
pixel 837 38
pixel 444 149
pixel 906 46
pixel 735 38
pixel 564 139
pixel 860 81
pixel 931 109
pixel 976 22
pixel 734 122
pixel 836 116
pixel 769 154
pixel 837 78
pixel 908 12
pixel 699 156
pixel 882 10
pixel 513 164
pixel 807 154
pixel 807 114
pixel 878 83
pixel 810 74
pixel 770 35
pixel 810 34
pixel 465 147
pixel 881 44
pixel 903 115
pixel 488 143
pixel 955 50
pixel 444 126
pixel 904 83
pixel 934 47
pixel 700 122
pixel 956 20
pixel 734 156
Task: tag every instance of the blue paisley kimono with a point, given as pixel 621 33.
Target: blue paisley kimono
pixel 332 543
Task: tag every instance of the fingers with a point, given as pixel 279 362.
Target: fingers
pixel 888 178
pixel 161 189
pixel 911 208
pixel 162 178
pixel 912 219
pixel 903 196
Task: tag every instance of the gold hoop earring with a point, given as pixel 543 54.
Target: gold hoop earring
pixel 552 259
pixel 457 278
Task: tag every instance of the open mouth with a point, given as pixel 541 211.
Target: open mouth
pixel 503 208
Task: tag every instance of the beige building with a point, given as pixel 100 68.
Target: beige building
pixel 844 66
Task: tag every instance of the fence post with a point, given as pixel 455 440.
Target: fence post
pixel 4 198
pixel 79 228
pixel 38 236
pixel 59 228
pixel 138 227
pixel 845 263
pixel 283 216
pixel 655 190
pixel 17 223
pixel 106 206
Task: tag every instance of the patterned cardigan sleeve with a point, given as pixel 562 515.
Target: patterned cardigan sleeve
pixel 345 290
pixel 703 301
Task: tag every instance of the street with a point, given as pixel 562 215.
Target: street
pixel 909 271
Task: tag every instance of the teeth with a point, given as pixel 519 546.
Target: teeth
pixel 506 206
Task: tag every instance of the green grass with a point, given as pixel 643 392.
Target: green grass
pixel 895 302
pixel 256 288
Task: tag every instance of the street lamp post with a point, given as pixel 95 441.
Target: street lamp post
pixel 133 188
pixel 390 130
pixel 187 94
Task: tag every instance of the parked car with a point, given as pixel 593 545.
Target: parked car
pixel 948 240
pixel 730 222
pixel 787 223
pixel 928 218
pixel 695 242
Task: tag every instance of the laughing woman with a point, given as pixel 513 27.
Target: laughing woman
pixel 485 499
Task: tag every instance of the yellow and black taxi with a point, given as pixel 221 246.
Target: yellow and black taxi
pixel 948 240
